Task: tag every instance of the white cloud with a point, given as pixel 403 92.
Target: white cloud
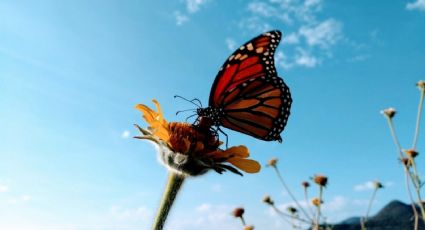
pixel 359 58
pixel 369 185
pixel 207 217
pixel 231 44
pixel 309 39
pixel 266 10
pixel 180 18
pixel 193 6
pixel 4 188
pixel 292 38
pixel 125 134
pixel 418 5
pixel 304 58
pixel 19 199
pixel 130 214
pixel 323 34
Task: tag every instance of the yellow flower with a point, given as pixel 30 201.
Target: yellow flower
pixel 249 227
pixel 192 149
pixel 316 202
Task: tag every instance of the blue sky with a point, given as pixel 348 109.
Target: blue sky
pixel 72 71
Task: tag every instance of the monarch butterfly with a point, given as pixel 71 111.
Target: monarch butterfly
pixel 247 95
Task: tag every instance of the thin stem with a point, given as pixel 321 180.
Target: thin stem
pixel 417 185
pixel 363 220
pixel 282 214
pixel 418 119
pixel 172 188
pixel 319 207
pixel 394 135
pixel 307 202
pixel 290 193
pixel 412 201
pixel 406 171
pixel 242 220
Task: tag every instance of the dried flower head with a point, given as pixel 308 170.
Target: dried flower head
pixel 406 161
pixel 238 212
pixel 292 210
pixel 377 185
pixel 411 153
pixel 272 162
pixel 305 184
pixel 321 180
pixel 249 227
pixel 268 200
pixel 421 85
pixel 192 149
pixel 389 113
pixel 316 201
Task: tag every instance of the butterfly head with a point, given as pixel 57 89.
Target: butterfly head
pixel 212 115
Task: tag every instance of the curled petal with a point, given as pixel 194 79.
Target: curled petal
pixel 157 124
pixel 247 165
pixel 240 151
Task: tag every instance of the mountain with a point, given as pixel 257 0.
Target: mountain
pixel 396 215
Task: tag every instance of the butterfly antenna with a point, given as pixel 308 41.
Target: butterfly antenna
pixel 187 118
pixel 186 110
pixel 190 101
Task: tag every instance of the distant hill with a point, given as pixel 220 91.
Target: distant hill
pixel 396 215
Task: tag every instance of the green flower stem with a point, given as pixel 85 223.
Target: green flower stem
pixel 174 183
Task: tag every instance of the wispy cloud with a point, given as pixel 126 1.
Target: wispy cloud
pixel 208 217
pixel 192 6
pixel 417 5
pixel 370 185
pixel 4 188
pixel 323 34
pixel 231 44
pixel 125 134
pixel 309 39
pixel 180 18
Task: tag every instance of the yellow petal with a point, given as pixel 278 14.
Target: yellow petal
pixel 235 151
pixel 157 124
pixel 247 165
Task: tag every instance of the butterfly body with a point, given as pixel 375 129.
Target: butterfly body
pixel 247 95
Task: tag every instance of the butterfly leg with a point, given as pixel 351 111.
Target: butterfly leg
pixel 227 137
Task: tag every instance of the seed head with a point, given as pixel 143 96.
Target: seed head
pixel 268 200
pixel 238 212
pixel 272 162
pixel 305 184
pixel 411 153
pixel 321 180
pixel 421 85
pixel 389 113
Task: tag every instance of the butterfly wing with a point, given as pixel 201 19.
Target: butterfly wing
pixel 254 99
